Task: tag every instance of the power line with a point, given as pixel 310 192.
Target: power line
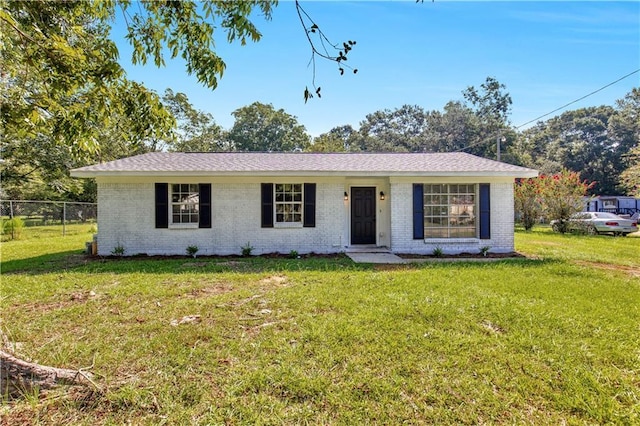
pixel 579 99
pixel 492 137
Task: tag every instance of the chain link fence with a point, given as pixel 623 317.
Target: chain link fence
pixel 46 213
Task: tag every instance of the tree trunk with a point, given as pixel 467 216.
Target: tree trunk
pixel 18 376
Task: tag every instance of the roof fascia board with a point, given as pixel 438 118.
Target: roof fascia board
pixel 94 174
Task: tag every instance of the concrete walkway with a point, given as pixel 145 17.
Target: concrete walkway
pixel 377 257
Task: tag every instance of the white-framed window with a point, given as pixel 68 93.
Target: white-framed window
pixel 288 203
pixel 450 211
pixel 185 203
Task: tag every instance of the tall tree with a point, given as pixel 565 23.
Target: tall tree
pixel 450 130
pixel 339 139
pixel 491 104
pixel 61 84
pixel 196 130
pixel 401 130
pixel 624 131
pixel 260 127
pixel 630 177
pixel 579 141
pixel 61 87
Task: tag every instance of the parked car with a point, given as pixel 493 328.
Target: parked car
pixel 598 223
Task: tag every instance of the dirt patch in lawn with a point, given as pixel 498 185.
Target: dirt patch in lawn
pixel 634 271
pixel 275 281
pixel 64 301
pixel 212 290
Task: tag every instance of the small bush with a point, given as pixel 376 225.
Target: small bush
pixel 438 252
pixel 192 250
pixel 293 254
pixel 13 228
pixel 484 250
pixel 247 249
pixel 118 250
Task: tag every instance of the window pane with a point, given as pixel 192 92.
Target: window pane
pixel 288 202
pixel 449 211
pixel 185 201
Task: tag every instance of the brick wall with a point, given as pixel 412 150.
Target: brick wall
pixel 502 224
pixel 126 217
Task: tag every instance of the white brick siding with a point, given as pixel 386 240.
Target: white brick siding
pixel 501 195
pixel 126 217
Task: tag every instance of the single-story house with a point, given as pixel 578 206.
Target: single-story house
pixel 160 203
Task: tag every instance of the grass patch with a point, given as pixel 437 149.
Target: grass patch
pixel 324 341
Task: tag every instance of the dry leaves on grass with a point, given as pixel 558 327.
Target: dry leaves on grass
pixel 187 319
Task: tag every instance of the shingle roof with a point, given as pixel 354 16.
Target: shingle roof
pixel 303 164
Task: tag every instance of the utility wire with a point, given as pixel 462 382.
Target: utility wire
pixel 579 99
pixel 493 136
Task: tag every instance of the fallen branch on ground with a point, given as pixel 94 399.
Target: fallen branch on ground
pixel 18 376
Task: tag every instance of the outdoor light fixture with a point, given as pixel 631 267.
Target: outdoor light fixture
pixel 381 196
pixel 346 196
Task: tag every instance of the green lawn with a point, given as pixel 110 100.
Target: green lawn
pixel 550 339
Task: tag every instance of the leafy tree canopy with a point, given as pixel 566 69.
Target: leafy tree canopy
pixel 260 127
pixel 339 139
pixel 624 130
pixel 401 129
pixel 60 76
pixel 196 130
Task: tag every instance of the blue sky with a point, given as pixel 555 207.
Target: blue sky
pixel 546 53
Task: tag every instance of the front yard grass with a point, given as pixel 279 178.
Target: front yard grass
pixel 547 340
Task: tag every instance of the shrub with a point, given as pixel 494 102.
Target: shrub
pixel 562 196
pixel 118 250
pixel 557 196
pixel 438 252
pixel 192 250
pixel 293 254
pixel 527 202
pixel 247 249
pixel 13 227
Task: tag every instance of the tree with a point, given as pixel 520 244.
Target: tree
pixel 196 130
pixel 64 99
pixel 491 105
pixel 580 140
pixel 451 130
pixel 561 195
pixel 398 130
pixel 260 127
pixel 624 130
pixel 630 177
pixel 61 78
pixel 527 202
pixel 62 85
pixel 338 139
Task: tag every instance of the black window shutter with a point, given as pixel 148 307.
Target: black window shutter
pixel 309 210
pixel 485 212
pixel 205 205
pixel 267 205
pixel 418 211
pixel 162 205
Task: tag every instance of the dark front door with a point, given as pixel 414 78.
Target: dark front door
pixel 363 215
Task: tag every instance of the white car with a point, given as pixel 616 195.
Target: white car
pixel 599 223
